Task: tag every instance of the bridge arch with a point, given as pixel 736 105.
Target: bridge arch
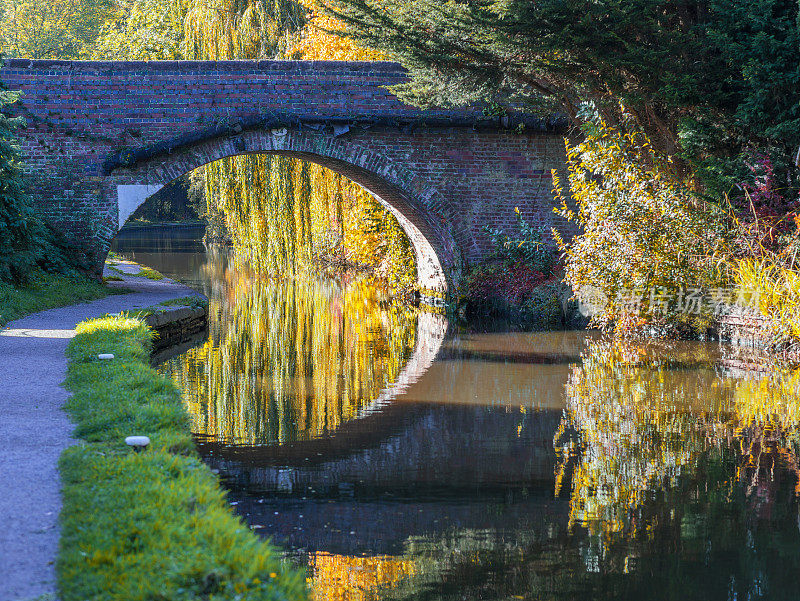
pixel 451 175
pixel 406 194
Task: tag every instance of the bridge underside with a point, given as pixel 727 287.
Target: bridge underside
pixel 102 137
pixel 436 250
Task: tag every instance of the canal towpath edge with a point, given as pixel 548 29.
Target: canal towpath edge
pixel 35 429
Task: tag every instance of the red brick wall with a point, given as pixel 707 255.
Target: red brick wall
pixel 448 173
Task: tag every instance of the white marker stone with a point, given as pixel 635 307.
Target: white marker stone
pixel 105 356
pixel 137 442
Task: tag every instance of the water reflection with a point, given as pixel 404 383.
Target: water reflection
pixel 513 466
pixel 657 476
pixel 291 359
pixel 175 250
pixel 683 477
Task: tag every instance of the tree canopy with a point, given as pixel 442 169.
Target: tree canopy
pixel 53 29
pixel 705 79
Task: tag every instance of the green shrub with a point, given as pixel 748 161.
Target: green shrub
pixel 19 226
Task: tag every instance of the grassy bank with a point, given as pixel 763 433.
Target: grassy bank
pixel 46 291
pixel 144 271
pixel 153 525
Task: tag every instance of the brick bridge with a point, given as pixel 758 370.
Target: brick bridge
pixel 103 136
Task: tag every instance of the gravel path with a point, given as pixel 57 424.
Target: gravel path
pixel 34 430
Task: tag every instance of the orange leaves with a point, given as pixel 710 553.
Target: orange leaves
pixel 316 43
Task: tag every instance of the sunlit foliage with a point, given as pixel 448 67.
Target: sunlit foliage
pixel 54 29
pixel 241 29
pixel 766 270
pixel 143 30
pixel 641 230
pixel 316 43
pixel 775 292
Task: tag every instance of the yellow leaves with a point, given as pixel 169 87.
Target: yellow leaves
pixel 53 29
pixel 225 30
pixel 774 289
pixel 640 229
pixel 143 30
pixel 315 43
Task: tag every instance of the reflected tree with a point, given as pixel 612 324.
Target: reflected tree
pixel 291 358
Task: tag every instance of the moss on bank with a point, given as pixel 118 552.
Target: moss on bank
pixel 46 291
pixel 153 525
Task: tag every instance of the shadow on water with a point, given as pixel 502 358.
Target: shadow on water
pixel 176 250
pixel 398 459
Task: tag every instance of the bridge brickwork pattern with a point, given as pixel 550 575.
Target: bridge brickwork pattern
pixel 102 136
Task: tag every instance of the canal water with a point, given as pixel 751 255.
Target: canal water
pixel 397 456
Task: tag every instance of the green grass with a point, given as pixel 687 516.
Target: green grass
pixel 46 291
pixel 150 274
pixel 155 525
pixel 144 272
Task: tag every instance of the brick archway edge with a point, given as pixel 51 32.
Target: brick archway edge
pixel 415 202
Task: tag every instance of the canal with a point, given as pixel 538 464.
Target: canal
pixel 399 456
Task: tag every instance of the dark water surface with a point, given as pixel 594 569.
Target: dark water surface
pixel 397 457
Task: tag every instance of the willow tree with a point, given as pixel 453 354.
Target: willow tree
pixel 58 29
pixel 282 212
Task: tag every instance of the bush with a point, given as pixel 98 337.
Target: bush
pixel 19 226
pixel 27 241
pixel 508 285
pixel 511 284
pixel 641 229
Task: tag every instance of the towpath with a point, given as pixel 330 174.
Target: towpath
pixel 34 429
